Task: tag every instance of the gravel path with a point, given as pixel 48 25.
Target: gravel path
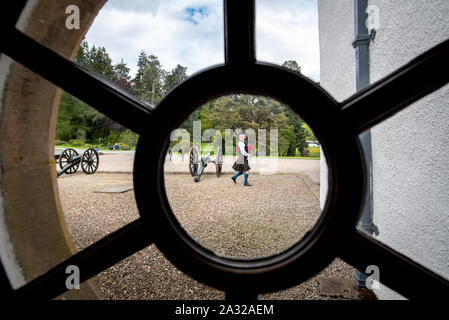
pixel 244 222
pixel 279 210
pixel 123 162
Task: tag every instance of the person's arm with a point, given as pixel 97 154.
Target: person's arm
pixel 242 149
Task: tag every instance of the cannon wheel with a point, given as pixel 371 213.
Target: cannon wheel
pixel 193 161
pixel 90 161
pixel 65 158
pixel 218 161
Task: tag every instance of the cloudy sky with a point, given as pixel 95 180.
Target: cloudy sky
pixel 190 32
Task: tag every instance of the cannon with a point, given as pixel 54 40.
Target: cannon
pixel 69 161
pixel 197 165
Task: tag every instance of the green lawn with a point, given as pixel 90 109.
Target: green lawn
pixel 206 148
pixel 86 146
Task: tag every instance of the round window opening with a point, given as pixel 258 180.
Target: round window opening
pixel 242 176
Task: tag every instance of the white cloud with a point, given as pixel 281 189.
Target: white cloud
pixel 285 30
pixel 165 33
pixel 288 30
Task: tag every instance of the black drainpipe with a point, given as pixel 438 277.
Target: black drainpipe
pixel 361 45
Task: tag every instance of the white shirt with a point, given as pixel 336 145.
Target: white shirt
pixel 241 145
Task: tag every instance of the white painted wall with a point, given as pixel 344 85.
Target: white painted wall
pixel 410 150
pixel 337 56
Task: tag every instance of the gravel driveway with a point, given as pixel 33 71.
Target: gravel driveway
pixel 244 222
pixel 230 219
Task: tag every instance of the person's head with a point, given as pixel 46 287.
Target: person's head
pixel 242 136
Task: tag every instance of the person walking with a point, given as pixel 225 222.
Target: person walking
pixel 241 164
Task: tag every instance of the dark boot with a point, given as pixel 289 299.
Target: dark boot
pixel 247 184
pixel 233 179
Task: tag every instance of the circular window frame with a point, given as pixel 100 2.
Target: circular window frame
pixel 317 248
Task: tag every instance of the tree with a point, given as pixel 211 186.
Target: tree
pixel 236 111
pixel 177 75
pixel 188 123
pixel 205 116
pixel 154 76
pixel 129 138
pixel 240 111
pixel 76 120
pixel 82 56
pixel 113 137
pixel 125 85
pixel 138 81
pixel 253 111
pixel 148 82
pixel 101 64
pixel 221 114
pixel 309 133
pixel 96 61
pixel 122 71
pixel 292 65
pixel 286 142
pixel 298 129
pixel 294 119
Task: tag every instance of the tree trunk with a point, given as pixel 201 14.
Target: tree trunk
pixel 152 94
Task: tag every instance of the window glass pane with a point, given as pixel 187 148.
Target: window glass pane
pixel 288 31
pixel 142 47
pixel 410 178
pixel 402 32
pixel 148 275
pixel 85 195
pixel 178 32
